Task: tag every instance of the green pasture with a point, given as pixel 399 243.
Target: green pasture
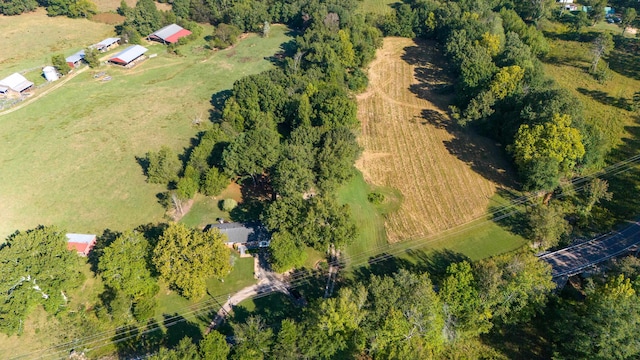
pixel 70 157
pixel 382 7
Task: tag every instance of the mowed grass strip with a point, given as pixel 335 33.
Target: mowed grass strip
pixel 411 145
pixel 29 40
pixel 70 157
pixel 382 7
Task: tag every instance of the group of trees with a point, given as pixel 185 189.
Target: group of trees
pixel 70 8
pixel 289 130
pixel 401 316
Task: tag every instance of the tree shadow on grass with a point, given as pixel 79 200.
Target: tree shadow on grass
pixel 217 102
pixel 625 59
pixel 625 183
pixel 131 340
pixel 179 327
pixel 254 195
pixel 606 99
pixel 511 217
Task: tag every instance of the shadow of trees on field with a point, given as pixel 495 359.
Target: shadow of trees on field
pixel 435 84
pixel 131 340
pixel 178 327
pixel 512 218
pixel 217 104
pixel 434 262
pixel 625 184
pixel 625 59
pixel 606 99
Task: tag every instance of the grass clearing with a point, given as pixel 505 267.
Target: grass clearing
pixel 381 7
pixel 70 158
pixel 29 40
pixel 446 177
pixel 206 209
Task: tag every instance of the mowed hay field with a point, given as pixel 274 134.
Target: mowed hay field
pixel 411 144
pixel 69 158
pixel 29 40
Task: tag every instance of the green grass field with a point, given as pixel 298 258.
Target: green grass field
pixel 69 158
pixel 377 6
pixel 30 39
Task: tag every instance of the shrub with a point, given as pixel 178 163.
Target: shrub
pixel 375 198
pixel 228 204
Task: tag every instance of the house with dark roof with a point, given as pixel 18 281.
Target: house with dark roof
pixel 76 59
pixel 82 243
pixel 169 34
pixel 15 82
pixel 252 235
pixel 129 56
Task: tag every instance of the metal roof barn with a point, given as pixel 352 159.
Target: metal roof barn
pixel 169 34
pixel 16 82
pixel 75 58
pixel 128 55
pixel 105 43
pixel 82 243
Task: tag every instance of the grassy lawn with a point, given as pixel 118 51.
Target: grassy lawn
pixel 366 215
pixel 377 6
pixel 206 209
pixel 29 40
pixel 70 157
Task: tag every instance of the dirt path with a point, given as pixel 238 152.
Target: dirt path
pixel 59 84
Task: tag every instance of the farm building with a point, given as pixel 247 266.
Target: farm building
pixel 76 59
pixel 50 73
pixel 250 234
pixel 82 243
pixel 129 56
pixel 169 34
pixel 106 44
pixel 15 82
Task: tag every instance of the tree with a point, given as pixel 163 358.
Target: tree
pixel 92 57
pixel 17 7
pixel 266 28
pixel 214 346
pixel 597 10
pixel 604 326
pixel 145 18
pixel 35 269
pixel 596 191
pixel 547 225
pixel 466 316
pixel 124 269
pixel 123 266
pixel 185 258
pixel 163 167
pixel 602 46
pixel 214 182
pixel 286 253
pixel 580 20
pixel 506 81
pixel 225 35
pixel 286 345
pixel 628 16
pixel 553 140
pixel 534 10
pixel 71 8
pixel 60 64
pixel 252 153
pixel 336 155
pixel 253 337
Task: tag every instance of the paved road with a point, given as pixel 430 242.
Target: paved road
pixel 574 259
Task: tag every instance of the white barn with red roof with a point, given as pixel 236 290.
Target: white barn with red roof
pixel 129 56
pixel 169 34
pixel 82 243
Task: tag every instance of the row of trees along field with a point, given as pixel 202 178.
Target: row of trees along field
pixel 70 8
pixel 477 306
pixel 288 131
pixel 502 91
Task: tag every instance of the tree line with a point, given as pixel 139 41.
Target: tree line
pixel 69 8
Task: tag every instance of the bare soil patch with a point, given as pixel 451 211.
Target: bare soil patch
pixel 446 176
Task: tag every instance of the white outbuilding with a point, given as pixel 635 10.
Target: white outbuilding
pixel 50 73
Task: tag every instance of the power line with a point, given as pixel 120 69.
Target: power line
pixel 300 278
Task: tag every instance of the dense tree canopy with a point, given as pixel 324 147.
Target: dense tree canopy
pixel 185 258
pixel 35 269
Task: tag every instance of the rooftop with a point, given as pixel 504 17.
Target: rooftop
pixel 129 54
pixel 238 233
pixel 16 82
pixel 171 33
pixel 75 57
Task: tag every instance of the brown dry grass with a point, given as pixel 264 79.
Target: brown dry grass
pixel 410 143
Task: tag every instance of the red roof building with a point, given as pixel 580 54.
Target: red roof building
pixel 82 243
pixel 169 34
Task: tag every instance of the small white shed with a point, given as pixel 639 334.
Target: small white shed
pixel 50 73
